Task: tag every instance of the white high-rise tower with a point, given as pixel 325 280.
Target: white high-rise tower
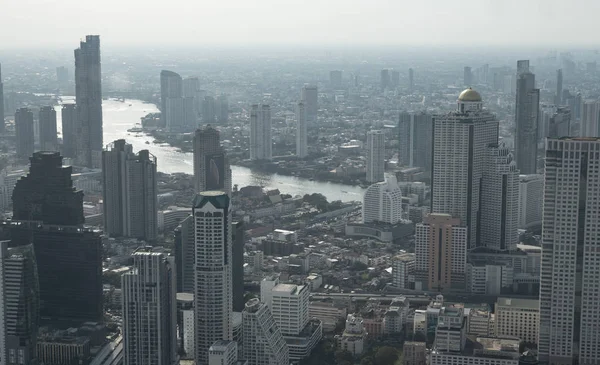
pixel 213 296
pixel 301 137
pixel 375 156
pixel 263 343
pixel 570 273
pixel 261 144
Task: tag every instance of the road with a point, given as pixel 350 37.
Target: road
pixel 110 354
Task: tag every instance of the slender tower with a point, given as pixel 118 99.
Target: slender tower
pixel 2 127
pixel 211 166
pixel 301 137
pixel 526 119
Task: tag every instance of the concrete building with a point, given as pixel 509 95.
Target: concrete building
pixel 382 202
pixel 526 120
pixel 559 88
pixel 222 109
pixel 354 336
pixel 590 119
pixel 209 110
pixel 441 253
pixel 175 114
pixel 2 125
pixel 375 156
pixel 451 330
pixel 211 165
pixel 414 353
pixel 480 351
pixel 480 321
pixel 415 132
pixel 531 192
pixel 185 248
pixel 19 304
pixel 301 134
pixel 261 143
pixel 486 278
pixel 329 314
pixel 223 353
pixel 213 257
pixel 63 347
pixel 47 122
pixel 403 270
pixel 467 76
pixel 129 192
pixel 88 97
pixel 69 134
pixel 310 98
pixel 569 291
pixel 171 87
pixel 395 317
pixel 518 318
pixel 24 133
pixel 460 160
pixel 559 124
pixel 411 80
pixel 263 343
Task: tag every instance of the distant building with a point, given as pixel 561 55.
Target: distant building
pixel 237 264
pixel 382 202
pixel 403 270
pixel 519 318
pixel 414 140
pixel 263 343
pixel 211 165
pixel 526 119
pixel 559 88
pixel 301 136
pixel 310 98
pixel 69 134
pixel 185 255
pixel 261 143
pixel 385 78
pixel 47 121
pixel 411 79
pixel 480 351
pixel 208 110
pixel 531 193
pixel 24 133
pixel 560 123
pixel 222 109
pixel 467 77
pixel 171 87
pixel 590 119
pixel 2 125
pixel 375 156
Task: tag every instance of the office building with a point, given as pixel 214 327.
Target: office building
pixel 208 110
pixel 237 270
pixel 62 347
pixel 518 318
pixel 213 257
pixel 47 194
pixel 184 255
pixel 414 140
pixel 223 353
pixel 222 109
pixel 149 309
pixel 171 87
pixel 569 289
pixel 441 253
pixel 382 202
pixel 385 78
pixel 263 343
pixel 460 159
pixel 559 88
pixel 129 192
pixel 48 137
pixel 414 353
pixel 19 304
pixel 395 82
pixel 480 351
pixel 467 77
pixel 261 144
pixel 411 80
pixel 2 125
pixel 403 269
pixel 375 156
pixel 499 200
pixel 88 97
pixel 69 134
pixel 526 120
pixel 24 133
pixel 531 193
pixel 590 119
pixel 310 98
pixel 301 136
pixel 335 79
pixel 451 330
pixel 211 165
pixel 175 114
pixel 559 124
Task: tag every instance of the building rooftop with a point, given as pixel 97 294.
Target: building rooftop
pixel 287 288
pixel 518 303
pixel 469 95
pixel 499 344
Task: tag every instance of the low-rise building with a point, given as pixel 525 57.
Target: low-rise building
pixel 354 337
pixel 480 351
pixel 414 353
pixel 518 317
pixel 328 313
pixel 403 270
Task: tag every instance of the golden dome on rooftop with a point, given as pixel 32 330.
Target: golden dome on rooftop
pixel 469 95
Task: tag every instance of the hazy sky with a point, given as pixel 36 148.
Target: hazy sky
pixel 49 23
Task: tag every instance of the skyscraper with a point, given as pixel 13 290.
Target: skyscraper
pixel 2 126
pixel 19 304
pixel 384 78
pixel 24 133
pixel 175 114
pixel 88 97
pixel 395 78
pixel 170 88
pixel 335 79
pixel 375 156
pixel 263 343
pixel 48 137
pixel 559 88
pixel 310 98
pixel 467 77
pixel 222 109
pixel 184 255
pixel 415 133
pixel 129 192
pixel 149 309
pixel 209 112
pixel 569 287
pixel 211 165
pixel 411 79
pixel 301 137
pixel 191 86
pixel 441 253
pixel 590 119
pixel 69 125
pixel 526 120
pixel 62 78
pixel 382 202
pixel 460 155
pixel 238 240
pixel 261 144
pixel 213 294
pixel 47 194
pixel 559 124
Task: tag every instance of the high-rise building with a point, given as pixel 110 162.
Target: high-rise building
pixel 209 112
pixel 190 116
pixel 569 288
pixel 411 79
pixel 499 201
pixel 19 304
pixel 129 192
pixel 263 343
pixel 415 132
pixel 149 309
pixel 460 159
pixel 559 124
pixel 24 133
pixel 468 77
pixel 175 114
pixel 69 125
pixel 2 126
pixel 47 194
pixel 382 202
pixel 171 87
pixel 237 270
pixel 310 98
pixel 590 119
pixel 335 79
pixel 441 253
pixel 184 255
pixel 222 109
pixel 211 165
pixel 62 78
pixel 385 78
pixel 522 67
pixel 223 353
pixel 375 156
pixel 193 101
pixel 213 293
pixel 48 137
pixel 395 78
pixel 559 88
pixel 88 97
pixel 518 317
pixel 190 87
pixel 403 267
pixel 261 144
pixel 301 137
pixel 531 189
pixel 526 120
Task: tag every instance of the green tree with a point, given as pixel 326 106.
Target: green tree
pixel 386 355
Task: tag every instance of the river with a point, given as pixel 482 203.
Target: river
pixel 120 116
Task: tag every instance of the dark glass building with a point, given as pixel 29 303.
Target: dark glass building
pixel 237 267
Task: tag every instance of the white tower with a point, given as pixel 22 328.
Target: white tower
pixel 262 339
pixel 301 137
pixel 260 133
pixel 375 156
pixel 382 202
pixel 213 295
